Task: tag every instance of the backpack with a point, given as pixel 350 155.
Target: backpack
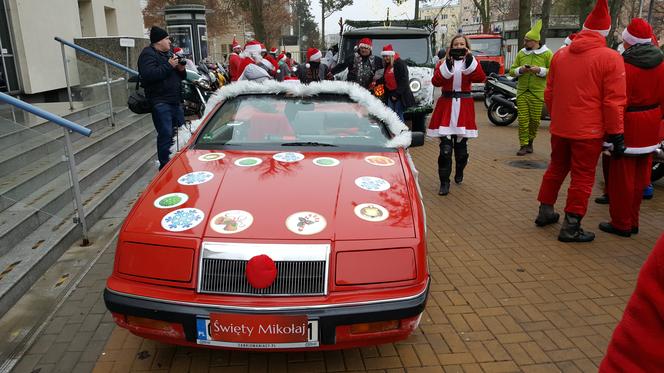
pixel 137 102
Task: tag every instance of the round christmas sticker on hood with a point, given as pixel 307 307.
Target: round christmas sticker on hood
pixel 195 178
pixel 170 200
pixel 288 157
pixel 371 212
pixel 209 157
pixel 182 219
pixel 231 221
pixel 326 162
pixel 306 223
pixel 248 162
pixel 373 184
pixel 379 160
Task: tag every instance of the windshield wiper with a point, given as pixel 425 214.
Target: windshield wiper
pixel 306 143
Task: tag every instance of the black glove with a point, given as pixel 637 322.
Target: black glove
pixel 618 141
pixel 468 59
pixel 449 63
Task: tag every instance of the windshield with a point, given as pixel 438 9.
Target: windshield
pixel 485 47
pixel 325 120
pixel 415 51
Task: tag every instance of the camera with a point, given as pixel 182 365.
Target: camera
pixel 182 61
pixel 457 53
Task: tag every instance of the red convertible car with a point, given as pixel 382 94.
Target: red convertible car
pixel 292 219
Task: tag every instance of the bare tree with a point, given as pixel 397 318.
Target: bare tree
pixel 546 13
pixel 524 18
pixel 327 8
pixel 484 7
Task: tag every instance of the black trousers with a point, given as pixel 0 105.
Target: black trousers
pixel 451 145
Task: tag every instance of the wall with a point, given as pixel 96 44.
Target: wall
pixel 128 17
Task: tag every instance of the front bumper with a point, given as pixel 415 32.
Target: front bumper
pixel 329 317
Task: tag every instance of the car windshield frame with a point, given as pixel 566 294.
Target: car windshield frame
pixel 295 142
pixel 397 41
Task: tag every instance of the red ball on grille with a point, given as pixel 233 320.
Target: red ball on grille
pixel 261 271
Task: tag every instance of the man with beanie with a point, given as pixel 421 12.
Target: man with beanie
pixel 313 70
pixel 530 65
pixel 161 75
pixel 361 65
pixel 585 95
pixel 630 175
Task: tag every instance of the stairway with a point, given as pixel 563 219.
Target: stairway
pixel 36 200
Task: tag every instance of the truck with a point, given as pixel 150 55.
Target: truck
pixel 488 49
pixel 412 40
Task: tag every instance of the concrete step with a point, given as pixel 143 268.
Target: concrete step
pixel 18 184
pixel 17 133
pixel 31 257
pixel 55 197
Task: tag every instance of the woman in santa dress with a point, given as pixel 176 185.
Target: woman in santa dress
pixel 453 120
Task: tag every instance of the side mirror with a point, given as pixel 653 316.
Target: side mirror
pixel 417 139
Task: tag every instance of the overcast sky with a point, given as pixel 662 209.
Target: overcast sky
pixel 365 10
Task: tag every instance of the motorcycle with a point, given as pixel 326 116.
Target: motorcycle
pixel 196 90
pixel 658 163
pixel 500 99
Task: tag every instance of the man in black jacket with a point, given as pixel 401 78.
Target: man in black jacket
pixel 398 95
pixel 361 65
pixel 161 75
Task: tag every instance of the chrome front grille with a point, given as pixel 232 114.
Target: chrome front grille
pixel 302 269
pixel 293 278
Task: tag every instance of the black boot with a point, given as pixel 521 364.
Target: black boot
pixel 445 165
pixel 608 228
pixel 546 216
pixel 529 149
pixel 571 230
pixel 461 162
pixel 602 200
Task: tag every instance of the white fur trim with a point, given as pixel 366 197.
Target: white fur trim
pixel 517 71
pixel 604 33
pixel 567 41
pixel 447 131
pixel 402 136
pixel 543 71
pixel 365 45
pixel 642 150
pixel 253 48
pixel 633 40
pixel 539 50
pixel 445 71
pixel 471 68
pixel 387 53
pixel 316 57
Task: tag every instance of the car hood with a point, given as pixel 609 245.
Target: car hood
pixel 256 202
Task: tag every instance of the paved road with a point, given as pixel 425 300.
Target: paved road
pixel 505 296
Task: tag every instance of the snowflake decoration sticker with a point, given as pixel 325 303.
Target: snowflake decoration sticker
pixel 373 184
pixel 195 178
pixel 248 162
pixel 306 223
pixel 209 157
pixel 288 157
pixel 182 219
pixel 170 200
pixel 326 162
pixel 371 212
pixel 379 160
pixel 231 221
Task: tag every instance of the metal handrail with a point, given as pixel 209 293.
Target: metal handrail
pixel 45 114
pixel 97 56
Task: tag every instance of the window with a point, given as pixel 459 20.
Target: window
pixel 111 21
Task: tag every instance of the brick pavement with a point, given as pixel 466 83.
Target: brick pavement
pixel 505 296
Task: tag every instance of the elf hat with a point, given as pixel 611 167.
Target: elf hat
pixel 387 50
pixel 599 19
pixel 534 33
pixel 637 32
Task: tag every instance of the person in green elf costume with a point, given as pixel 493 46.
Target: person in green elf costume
pixel 531 66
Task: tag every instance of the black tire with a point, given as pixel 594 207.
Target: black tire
pixel 487 100
pixel 657 171
pixel 500 115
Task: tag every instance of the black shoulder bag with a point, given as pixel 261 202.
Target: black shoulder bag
pixel 137 102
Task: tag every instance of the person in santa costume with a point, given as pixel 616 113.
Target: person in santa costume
pixel 637 342
pixel 234 61
pixel 362 65
pixel 630 174
pixel 313 70
pixel 530 65
pixel 453 119
pixel 398 95
pixel 252 65
pixel 585 95
pixel 283 70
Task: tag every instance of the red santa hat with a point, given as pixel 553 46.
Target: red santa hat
pixel 282 57
pixel 253 46
pixel 569 39
pixel 235 44
pixel 314 55
pixel 365 42
pixel 291 79
pixel 263 49
pixel 274 51
pixel 599 19
pixel 177 50
pixel 387 50
pixel 638 32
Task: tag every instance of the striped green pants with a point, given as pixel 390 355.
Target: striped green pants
pixel 530 112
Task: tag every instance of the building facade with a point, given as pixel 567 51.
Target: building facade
pixel 32 60
pixel 448 19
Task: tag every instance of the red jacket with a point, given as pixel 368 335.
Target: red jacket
pixel 637 344
pixel 644 71
pixel 234 65
pixel 585 91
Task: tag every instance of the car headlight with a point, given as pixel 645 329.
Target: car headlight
pixel 415 85
pixel 375 266
pixel 203 83
pixel 164 263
